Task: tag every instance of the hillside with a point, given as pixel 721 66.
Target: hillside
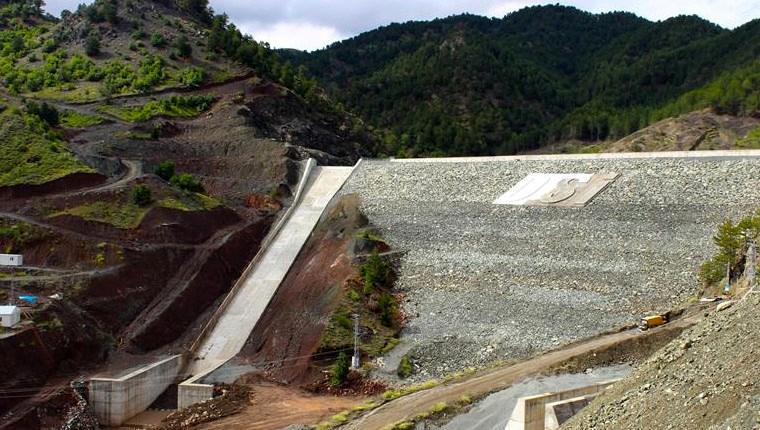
pixel 473 85
pixel 147 147
pixel 705 379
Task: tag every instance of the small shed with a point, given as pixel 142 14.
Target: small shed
pixel 11 260
pixel 9 316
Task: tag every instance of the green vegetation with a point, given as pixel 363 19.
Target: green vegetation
pixel 45 112
pixel 173 107
pixel 540 75
pixel 191 77
pixel 190 202
pixel 92 45
pixel 339 371
pixel 166 170
pixel 732 241
pixel 374 272
pixel 73 119
pixel 405 367
pixel 182 47
pixel 31 153
pixel 120 215
pixel 157 40
pixel 751 140
pixel 187 182
pixel 15 236
pixel 141 196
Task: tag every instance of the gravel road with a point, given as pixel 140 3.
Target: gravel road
pixel 486 282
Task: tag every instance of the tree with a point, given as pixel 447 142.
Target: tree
pixel 157 40
pixel 374 272
pixel 92 45
pixel 45 112
pixel 141 195
pixel 186 182
pixel 184 50
pixel 405 367
pixel 17 44
pixel 339 371
pixel 165 170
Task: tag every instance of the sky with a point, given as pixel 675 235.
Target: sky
pixel 314 24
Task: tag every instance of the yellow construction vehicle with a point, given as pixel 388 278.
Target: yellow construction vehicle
pixel 652 321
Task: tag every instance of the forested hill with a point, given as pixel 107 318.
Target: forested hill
pixel 473 85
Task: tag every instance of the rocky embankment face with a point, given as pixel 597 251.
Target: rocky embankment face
pixel 486 282
pixel 705 379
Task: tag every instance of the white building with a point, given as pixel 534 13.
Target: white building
pixel 9 316
pixel 11 260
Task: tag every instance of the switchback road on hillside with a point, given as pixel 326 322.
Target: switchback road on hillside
pixel 483 383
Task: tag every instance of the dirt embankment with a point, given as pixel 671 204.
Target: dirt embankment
pixel 188 295
pixel 64 340
pixel 68 183
pixel 293 323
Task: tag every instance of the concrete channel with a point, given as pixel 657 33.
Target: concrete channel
pixel 248 300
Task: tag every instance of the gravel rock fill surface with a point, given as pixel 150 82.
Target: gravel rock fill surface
pixel 485 282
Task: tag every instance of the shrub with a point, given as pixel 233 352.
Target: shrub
pixel 184 50
pixel 374 272
pixel 405 368
pixel 165 170
pixel 387 309
pixel 191 76
pixel 92 45
pixel 339 371
pixel 141 195
pixel 343 321
pixel 186 182
pixel 150 73
pixel 45 112
pixel 157 40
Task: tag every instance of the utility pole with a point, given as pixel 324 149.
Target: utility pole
pixel 727 288
pixel 355 359
pixel 12 298
pixel 750 272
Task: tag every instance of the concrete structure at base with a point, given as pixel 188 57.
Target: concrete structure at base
pixel 556 413
pixel 229 328
pixel 530 412
pixel 115 400
pixel 11 260
pixel 9 316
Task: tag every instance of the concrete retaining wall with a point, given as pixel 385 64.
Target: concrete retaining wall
pixel 529 412
pixel 115 400
pixel 191 392
pixel 556 413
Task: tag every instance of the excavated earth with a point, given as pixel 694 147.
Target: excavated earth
pixel 486 282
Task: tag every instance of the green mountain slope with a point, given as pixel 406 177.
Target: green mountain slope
pixel 473 85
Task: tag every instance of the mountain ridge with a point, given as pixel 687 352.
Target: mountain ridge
pixel 470 85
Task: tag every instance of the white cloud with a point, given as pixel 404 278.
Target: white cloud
pixel 299 35
pixel 503 8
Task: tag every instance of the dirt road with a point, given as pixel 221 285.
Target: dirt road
pixel 493 380
pixel 274 407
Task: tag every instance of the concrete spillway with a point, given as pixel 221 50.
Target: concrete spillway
pixel 250 298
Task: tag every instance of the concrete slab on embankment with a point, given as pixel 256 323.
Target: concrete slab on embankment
pixel 251 296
